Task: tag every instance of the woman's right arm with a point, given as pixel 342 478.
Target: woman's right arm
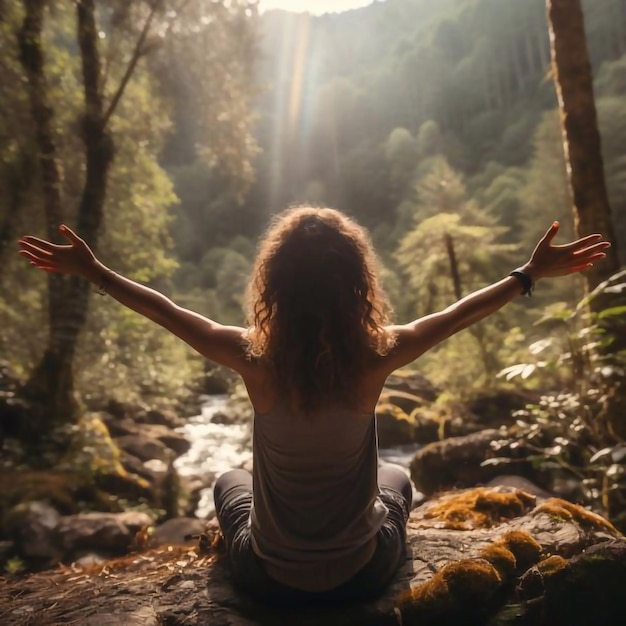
pixel 222 344
pixel 547 260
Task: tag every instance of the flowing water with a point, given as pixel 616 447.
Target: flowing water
pixel 217 448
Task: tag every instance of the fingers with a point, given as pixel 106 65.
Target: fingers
pixel 68 233
pixel 38 262
pixel 42 244
pixel 550 234
pixel 39 250
pixel 581 243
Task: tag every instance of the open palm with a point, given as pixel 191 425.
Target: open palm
pixel 559 260
pixel 73 258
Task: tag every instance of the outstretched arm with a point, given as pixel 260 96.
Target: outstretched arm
pixel 222 344
pixel 547 260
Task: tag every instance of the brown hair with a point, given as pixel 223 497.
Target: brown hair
pixel 316 312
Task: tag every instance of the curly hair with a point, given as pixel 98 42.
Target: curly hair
pixel 315 310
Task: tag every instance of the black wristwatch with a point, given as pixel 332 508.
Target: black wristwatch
pixel 527 283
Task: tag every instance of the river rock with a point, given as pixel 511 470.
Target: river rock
pixel 414 384
pixel 473 557
pixel 163 417
pixel 177 531
pixel 112 533
pixel 144 447
pixel 393 428
pixel 457 462
pixel 495 408
pixel 32 525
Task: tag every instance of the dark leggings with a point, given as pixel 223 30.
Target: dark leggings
pixel 233 500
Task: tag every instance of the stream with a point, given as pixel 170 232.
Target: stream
pixel 218 447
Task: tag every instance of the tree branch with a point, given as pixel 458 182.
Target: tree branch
pixel 131 66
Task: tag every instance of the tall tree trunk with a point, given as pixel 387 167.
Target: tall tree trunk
pixel 19 181
pixel 51 384
pixel 582 145
pixel 581 137
pixel 57 390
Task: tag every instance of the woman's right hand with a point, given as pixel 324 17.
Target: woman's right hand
pixel 75 258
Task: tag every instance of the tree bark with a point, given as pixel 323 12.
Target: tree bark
pixel 583 155
pixel 581 137
pixel 51 384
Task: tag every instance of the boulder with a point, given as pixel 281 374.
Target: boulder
pixel 144 447
pixel 495 408
pixel 112 533
pixel 177 531
pixel 474 557
pixel 125 430
pixel 394 429
pixel 162 417
pixel 412 384
pixel 458 462
pixel 32 526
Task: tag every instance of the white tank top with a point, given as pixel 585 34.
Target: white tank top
pixel 316 509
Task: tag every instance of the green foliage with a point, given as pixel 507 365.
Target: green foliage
pixel 569 433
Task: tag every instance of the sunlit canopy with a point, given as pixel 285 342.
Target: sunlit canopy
pixel 313 6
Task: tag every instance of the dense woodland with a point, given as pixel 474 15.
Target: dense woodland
pixel 433 123
pixel 418 118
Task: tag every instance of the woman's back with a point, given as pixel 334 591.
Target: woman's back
pixel 316 509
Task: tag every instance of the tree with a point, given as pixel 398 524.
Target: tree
pixel 139 28
pixel 581 138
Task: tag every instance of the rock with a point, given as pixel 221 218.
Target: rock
pixel 124 410
pixel 472 556
pixel 144 447
pixel 456 462
pixel 496 408
pixel 393 428
pixel 90 559
pixel 173 531
pixel 176 442
pixel 119 427
pixel 217 381
pixel 413 384
pixel 32 525
pixel 125 430
pixel 163 418
pixel 112 533
pixel 145 616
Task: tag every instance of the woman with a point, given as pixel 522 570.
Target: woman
pixel 316 520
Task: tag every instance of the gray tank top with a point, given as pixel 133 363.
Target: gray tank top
pixel 316 509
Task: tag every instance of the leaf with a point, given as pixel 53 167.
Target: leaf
pixel 616 288
pixel 615 470
pixel 612 312
pixel 600 454
pixel 496 460
pixel 512 371
pixel 540 346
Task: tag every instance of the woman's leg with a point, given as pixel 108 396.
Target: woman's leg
pixel 392 476
pixel 397 494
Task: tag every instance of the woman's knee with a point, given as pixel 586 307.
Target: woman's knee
pixel 233 479
pixel 394 477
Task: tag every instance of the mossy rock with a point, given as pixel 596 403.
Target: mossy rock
pixel 452 576
pixel 64 490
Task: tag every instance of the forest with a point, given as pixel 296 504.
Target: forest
pixel 167 133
